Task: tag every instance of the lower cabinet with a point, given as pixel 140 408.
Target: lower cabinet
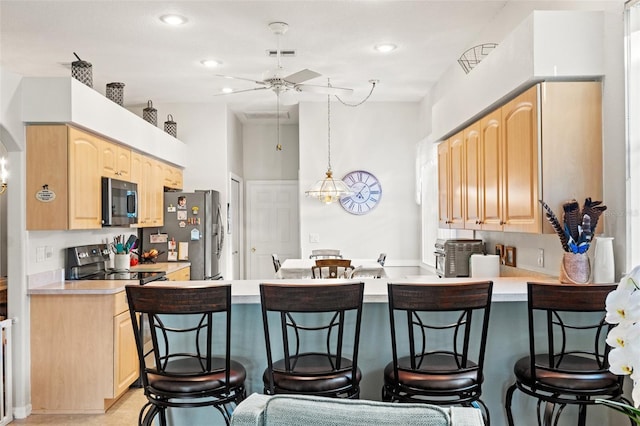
pixel 83 353
pixel 183 274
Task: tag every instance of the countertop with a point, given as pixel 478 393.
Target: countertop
pixel 104 286
pixel 505 289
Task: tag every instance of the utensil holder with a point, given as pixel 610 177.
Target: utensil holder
pixel 150 114
pixel 121 262
pixel 115 92
pixel 171 126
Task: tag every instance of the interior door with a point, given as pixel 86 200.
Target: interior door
pixel 272 225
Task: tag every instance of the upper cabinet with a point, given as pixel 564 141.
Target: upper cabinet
pixel 64 170
pixel 172 177
pixel 451 172
pixel 545 144
pixel 116 161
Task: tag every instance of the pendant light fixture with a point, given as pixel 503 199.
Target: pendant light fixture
pixel 329 190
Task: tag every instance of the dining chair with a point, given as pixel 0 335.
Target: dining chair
pixel 276 262
pixel 567 362
pixel 334 262
pixel 319 328
pixel 437 348
pixel 325 254
pixel 186 325
pixel 382 258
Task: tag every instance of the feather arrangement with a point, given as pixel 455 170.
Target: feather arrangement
pixel 576 229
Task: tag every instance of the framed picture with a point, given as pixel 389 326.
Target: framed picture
pixel 500 252
pixel 510 256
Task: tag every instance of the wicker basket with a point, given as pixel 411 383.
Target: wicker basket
pixel 575 268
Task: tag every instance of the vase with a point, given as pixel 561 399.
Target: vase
pixel 575 268
pixel 603 262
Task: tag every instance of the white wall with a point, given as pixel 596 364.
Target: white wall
pixel 261 159
pixel 379 138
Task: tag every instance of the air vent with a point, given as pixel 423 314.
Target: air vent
pixel 266 115
pixel 283 53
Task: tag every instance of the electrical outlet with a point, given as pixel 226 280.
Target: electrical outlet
pixel 314 238
pixel 39 254
pixel 540 257
pixel 48 252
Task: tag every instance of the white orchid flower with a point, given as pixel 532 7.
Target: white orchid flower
pixel 623 306
pixel 621 361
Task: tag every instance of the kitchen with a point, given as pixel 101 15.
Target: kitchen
pixel 200 124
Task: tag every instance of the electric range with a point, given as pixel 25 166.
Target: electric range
pixel 88 263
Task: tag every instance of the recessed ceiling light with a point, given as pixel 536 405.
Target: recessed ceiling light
pixel 385 47
pixel 173 19
pixel 227 90
pixel 211 63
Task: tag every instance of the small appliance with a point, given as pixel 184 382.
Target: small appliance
pixel 119 202
pixel 452 256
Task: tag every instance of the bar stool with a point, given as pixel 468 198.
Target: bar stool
pixel 182 370
pixel 319 326
pixel 560 368
pixel 445 360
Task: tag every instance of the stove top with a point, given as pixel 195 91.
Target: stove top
pixel 143 277
pixel 88 263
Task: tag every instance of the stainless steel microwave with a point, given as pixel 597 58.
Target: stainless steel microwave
pixel 119 202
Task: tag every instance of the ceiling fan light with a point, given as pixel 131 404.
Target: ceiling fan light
pixel 173 19
pixel 211 63
pixel 385 47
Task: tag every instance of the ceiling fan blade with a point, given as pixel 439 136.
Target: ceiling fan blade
pixel 300 76
pixel 327 90
pixel 262 83
pixel 240 91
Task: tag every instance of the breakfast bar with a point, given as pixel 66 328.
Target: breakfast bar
pixel 507 340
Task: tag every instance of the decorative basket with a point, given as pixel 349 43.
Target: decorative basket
pixel 82 71
pixel 575 268
pixel 150 114
pixel 115 92
pixel 472 57
pixel 171 126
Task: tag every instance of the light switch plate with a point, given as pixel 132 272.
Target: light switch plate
pixel 314 238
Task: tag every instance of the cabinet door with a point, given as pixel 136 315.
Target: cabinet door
pixel 85 165
pixel 172 177
pixel 183 274
pixel 491 137
pixel 145 194
pixel 157 194
pixel 472 177
pixel 456 194
pixel 443 185
pixel 520 209
pixel 126 365
pixel 116 161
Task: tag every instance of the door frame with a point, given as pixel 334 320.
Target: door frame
pixel 238 227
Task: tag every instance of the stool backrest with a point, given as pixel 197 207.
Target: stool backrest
pixel 571 319
pixel 438 319
pixel 330 312
pixel 181 323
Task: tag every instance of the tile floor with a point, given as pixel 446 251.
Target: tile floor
pixel 122 413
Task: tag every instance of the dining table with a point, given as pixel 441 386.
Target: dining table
pixel 301 268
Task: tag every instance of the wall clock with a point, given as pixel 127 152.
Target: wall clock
pixel 366 192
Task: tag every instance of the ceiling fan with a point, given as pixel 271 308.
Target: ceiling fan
pixel 276 80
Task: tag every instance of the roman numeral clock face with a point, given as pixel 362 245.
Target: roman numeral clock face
pixel 366 192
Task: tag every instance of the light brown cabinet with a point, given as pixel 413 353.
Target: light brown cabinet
pixel 148 172
pixel 116 161
pixel 172 177
pixel 546 143
pixel 183 274
pixel 450 157
pixel 64 163
pixel 83 354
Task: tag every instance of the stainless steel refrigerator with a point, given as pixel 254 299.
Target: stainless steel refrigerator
pixel 193 231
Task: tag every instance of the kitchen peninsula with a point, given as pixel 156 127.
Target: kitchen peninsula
pixel 507 339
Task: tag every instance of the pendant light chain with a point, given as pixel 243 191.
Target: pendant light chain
pixel 329 128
